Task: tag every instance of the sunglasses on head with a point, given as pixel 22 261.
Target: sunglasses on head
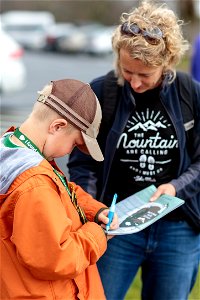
pixel 152 36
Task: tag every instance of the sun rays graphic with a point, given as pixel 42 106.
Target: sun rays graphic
pixel 147 121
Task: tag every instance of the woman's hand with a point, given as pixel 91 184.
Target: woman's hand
pixel 166 188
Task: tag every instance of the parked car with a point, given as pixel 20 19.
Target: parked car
pixel 28 28
pixel 12 71
pixel 75 40
pixel 55 33
pixel 99 40
pixel 72 41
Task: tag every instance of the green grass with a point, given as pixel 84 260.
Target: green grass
pixel 134 291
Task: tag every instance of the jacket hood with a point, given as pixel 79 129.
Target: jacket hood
pixel 15 161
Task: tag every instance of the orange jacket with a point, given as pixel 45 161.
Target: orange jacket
pixel 46 252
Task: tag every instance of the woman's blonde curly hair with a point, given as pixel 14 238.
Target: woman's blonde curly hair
pixel 167 53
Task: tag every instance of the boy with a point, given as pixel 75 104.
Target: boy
pixel 50 237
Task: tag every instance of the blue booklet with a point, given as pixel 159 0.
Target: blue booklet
pixel 136 212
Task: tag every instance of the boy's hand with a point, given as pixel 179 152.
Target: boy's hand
pixel 103 218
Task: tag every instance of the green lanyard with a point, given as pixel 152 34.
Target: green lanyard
pixel 62 179
pixel 29 144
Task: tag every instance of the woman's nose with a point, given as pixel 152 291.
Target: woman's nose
pixel 135 82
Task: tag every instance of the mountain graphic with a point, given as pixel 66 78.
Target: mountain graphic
pixel 148 125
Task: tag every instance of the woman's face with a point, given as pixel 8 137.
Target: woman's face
pixel 141 77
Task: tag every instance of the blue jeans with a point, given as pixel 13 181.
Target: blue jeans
pixel 168 253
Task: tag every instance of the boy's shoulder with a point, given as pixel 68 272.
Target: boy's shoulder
pixel 18 165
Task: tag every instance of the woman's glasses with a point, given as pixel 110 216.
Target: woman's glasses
pixel 152 36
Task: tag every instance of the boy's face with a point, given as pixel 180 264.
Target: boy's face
pixel 61 141
pixel 141 77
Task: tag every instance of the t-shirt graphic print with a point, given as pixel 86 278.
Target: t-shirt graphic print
pixel 147 149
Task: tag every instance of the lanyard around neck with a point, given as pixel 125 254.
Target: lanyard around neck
pixel 26 141
pixel 29 144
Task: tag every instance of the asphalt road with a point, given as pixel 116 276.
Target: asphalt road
pixel 42 67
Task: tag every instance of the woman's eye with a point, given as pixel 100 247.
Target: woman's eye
pixel 127 72
pixel 146 75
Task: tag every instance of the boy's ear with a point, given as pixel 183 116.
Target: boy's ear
pixel 57 125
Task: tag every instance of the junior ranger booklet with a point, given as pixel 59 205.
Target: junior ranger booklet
pixel 136 212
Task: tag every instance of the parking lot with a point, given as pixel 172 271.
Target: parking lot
pixel 42 67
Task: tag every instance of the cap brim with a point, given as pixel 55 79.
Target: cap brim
pixel 93 147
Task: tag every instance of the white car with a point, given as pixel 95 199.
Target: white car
pixel 12 70
pixel 28 28
pixel 99 41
